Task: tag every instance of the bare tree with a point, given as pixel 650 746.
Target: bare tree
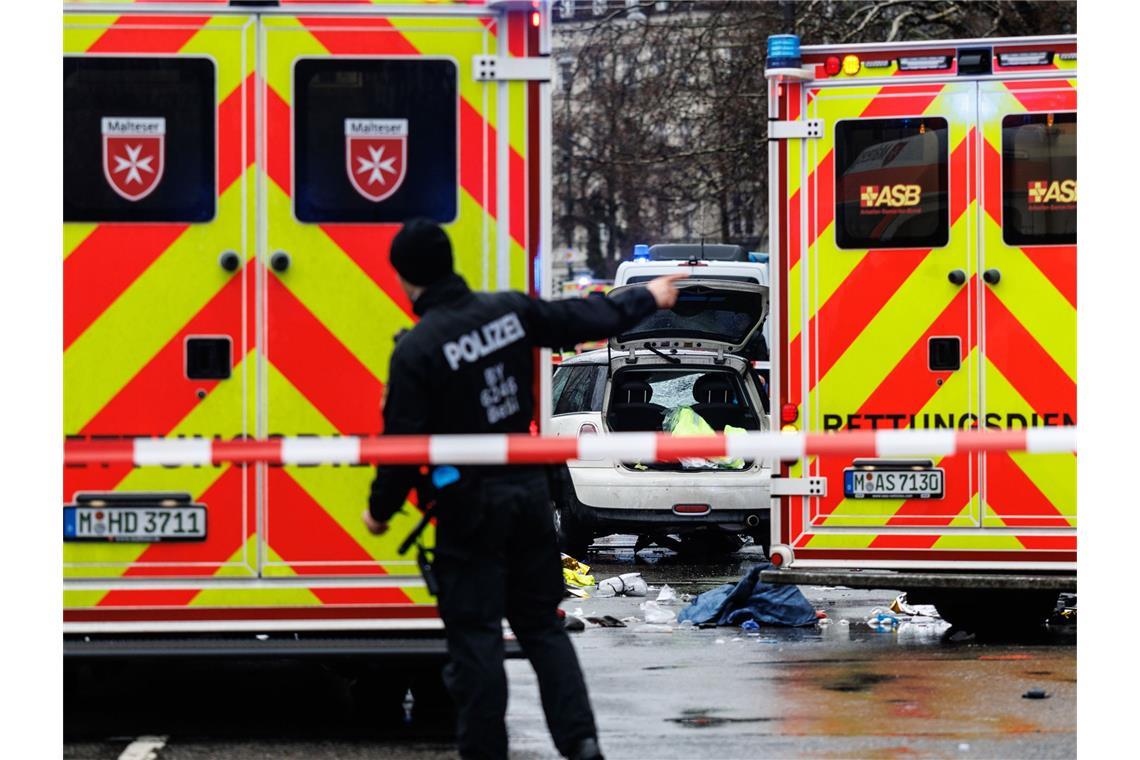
pixel 660 125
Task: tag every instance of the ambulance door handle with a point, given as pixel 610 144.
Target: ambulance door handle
pixel 957 276
pixel 229 261
pixel 992 276
pixel 280 261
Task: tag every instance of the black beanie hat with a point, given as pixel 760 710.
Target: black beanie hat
pixel 421 252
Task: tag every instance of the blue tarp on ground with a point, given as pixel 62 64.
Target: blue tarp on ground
pixel 750 599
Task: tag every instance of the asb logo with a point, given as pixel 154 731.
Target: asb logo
pixel 891 196
pixel 1058 191
pixel 133 149
pixel 376 152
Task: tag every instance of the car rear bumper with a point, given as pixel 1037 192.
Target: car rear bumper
pixel 637 520
pixel 617 489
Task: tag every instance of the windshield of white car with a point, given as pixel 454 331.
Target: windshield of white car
pixel 702 313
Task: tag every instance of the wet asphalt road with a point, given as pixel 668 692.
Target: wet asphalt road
pixel 839 690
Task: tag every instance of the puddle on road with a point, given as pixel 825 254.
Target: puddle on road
pixel 704 718
pixel 858 681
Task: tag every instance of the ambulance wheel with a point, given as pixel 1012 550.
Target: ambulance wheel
pixel 574 534
pixel 996 612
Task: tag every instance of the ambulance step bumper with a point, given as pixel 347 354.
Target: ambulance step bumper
pixel 904 581
pixel 406 649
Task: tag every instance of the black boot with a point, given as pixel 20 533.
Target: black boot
pixel 587 749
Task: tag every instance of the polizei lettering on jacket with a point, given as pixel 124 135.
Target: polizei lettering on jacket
pixel 486 340
pixel 950 421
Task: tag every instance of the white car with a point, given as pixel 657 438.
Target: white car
pixel 687 357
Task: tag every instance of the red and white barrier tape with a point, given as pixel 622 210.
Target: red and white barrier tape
pixel 528 449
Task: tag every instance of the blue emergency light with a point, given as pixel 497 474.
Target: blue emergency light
pixel 641 252
pixel 783 51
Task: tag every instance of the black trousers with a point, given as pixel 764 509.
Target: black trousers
pixel 497 556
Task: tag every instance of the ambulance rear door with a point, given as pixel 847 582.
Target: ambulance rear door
pixel 158 293
pixel 370 119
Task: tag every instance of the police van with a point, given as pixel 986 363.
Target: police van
pixel 923 218
pixel 233 175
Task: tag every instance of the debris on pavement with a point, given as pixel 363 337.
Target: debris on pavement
pixel 574 623
pixel 606 621
pixel 667 595
pixel 627 584
pixel 1066 612
pixel 900 606
pixel 575 573
pixel 750 625
pixel 1036 694
pixel 750 598
pixel 656 614
pixel 881 620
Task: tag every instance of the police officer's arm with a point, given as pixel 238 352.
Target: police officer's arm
pixel 556 324
pixel 405 413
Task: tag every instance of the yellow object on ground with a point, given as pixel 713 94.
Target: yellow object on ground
pixel 576 573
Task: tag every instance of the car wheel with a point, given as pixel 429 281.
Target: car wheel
pixel 574 534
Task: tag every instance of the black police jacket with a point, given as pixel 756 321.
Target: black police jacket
pixel 468 365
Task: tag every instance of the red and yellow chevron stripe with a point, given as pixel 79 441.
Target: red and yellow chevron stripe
pixel 311 345
pixel 858 322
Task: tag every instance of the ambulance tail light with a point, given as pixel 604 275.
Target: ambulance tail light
pixel 789 413
pixel 851 65
pixel 832 65
pixel 1037 58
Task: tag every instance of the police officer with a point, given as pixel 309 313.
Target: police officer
pixel 468 367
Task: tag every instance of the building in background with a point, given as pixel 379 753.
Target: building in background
pixel 660 109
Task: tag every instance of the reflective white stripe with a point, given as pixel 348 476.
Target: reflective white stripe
pixel 629 447
pixel 172 451
pixel 467 449
pixel 766 445
pixel 1050 440
pixel 320 450
pixel 931 443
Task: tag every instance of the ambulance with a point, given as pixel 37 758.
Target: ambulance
pixel 923 217
pixel 233 175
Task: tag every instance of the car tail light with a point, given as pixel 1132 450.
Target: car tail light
pixel 789 413
pixel 832 65
pixel 691 509
pixel 588 428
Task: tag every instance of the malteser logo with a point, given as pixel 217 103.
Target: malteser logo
pixel 889 198
pixel 1042 192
